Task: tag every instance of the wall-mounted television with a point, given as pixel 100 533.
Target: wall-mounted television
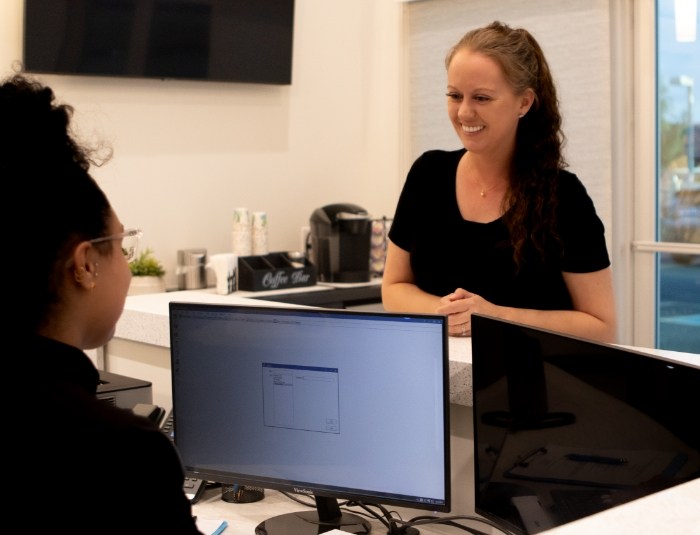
pixel 246 41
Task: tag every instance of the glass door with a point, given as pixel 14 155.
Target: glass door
pixel 678 176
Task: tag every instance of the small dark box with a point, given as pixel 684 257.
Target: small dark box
pixel 274 271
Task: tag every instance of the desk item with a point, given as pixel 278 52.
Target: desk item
pixel 599 459
pixel 602 468
pixel 225 266
pixel 330 403
pixel 241 233
pixel 122 391
pixel 192 486
pixel 274 271
pixel 259 233
pixel 153 412
pixel 211 526
pixel 191 269
pixel 340 243
pixel 554 412
pixel 241 493
pixel 378 245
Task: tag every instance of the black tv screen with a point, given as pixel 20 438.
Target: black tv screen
pixel 247 41
pixel 566 427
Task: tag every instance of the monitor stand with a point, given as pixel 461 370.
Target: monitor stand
pixel 326 517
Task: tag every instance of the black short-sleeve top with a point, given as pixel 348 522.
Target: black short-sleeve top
pixel 449 252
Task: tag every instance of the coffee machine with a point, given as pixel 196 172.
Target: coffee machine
pixel 340 236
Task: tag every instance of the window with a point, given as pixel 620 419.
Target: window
pixel 678 176
pixel 665 280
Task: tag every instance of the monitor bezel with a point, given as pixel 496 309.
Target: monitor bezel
pixel 315 488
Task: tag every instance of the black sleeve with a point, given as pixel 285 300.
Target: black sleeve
pixel 406 211
pixel 581 230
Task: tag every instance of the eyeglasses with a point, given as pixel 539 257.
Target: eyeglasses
pixel 130 242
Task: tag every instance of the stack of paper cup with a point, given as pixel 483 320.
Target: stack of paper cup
pixel 242 241
pixel 224 266
pixel 260 233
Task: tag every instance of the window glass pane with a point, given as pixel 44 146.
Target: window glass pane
pixel 678 184
pixel 678 325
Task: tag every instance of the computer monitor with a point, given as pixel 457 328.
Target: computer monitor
pixel 566 427
pixel 334 404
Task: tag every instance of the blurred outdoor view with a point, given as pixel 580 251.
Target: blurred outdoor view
pixel 678 177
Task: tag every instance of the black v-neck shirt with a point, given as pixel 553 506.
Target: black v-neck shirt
pixel 448 252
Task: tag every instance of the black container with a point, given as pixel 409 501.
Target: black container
pixel 274 271
pixel 340 243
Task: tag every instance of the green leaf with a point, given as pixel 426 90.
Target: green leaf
pixel 146 265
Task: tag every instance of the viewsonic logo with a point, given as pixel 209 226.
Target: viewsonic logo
pixel 303 491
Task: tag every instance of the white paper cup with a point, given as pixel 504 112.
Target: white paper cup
pixel 225 266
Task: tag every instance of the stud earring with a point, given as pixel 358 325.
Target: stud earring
pixel 521 116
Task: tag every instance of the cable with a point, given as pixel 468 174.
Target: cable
pixel 450 521
pixel 295 499
pixel 395 525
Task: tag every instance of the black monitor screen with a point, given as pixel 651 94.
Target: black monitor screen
pixel 337 404
pixel 218 40
pixel 566 427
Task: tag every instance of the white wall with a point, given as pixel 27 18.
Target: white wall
pixel 367 96
pixel 187 153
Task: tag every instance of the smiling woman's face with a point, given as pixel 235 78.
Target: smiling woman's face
pixel 481 105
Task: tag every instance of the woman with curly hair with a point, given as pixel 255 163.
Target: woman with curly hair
pixel 92 466
pixel 500 227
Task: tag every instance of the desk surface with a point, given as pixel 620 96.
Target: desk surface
pixel 671 511
pixel 145 320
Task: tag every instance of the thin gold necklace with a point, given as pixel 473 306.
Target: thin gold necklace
pixel 484 191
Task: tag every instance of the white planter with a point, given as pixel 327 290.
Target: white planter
pixel 146 285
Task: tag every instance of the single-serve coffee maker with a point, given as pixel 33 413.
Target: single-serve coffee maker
pixel 340 236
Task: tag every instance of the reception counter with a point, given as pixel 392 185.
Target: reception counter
pixel 141 344
pixel 141 349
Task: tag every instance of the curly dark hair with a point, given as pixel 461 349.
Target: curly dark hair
pixel 532 194
pixel 46 176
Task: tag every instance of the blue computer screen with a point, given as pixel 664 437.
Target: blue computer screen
pixel 335 402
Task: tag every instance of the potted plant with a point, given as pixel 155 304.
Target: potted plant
pixel 146 274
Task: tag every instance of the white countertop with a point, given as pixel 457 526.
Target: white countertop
pixel 674 510
pixel 145 320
